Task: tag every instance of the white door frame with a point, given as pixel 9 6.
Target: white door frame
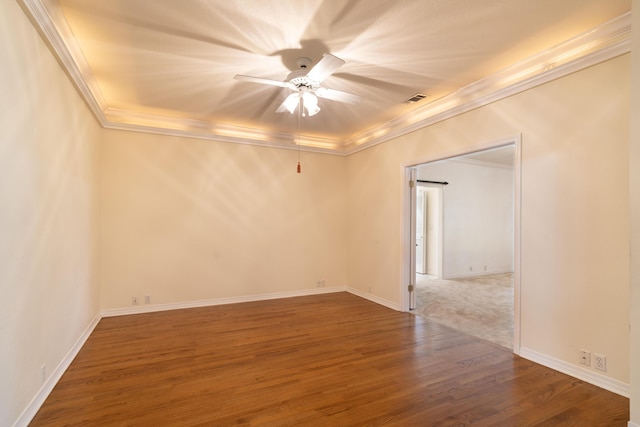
pixel 408 264
pixel 412 173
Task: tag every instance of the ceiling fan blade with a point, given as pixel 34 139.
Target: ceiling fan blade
pixel 336 95
pixel 262 81
pixel 290 103
pixel 323 69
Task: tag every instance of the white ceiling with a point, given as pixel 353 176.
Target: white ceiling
pixel 168 66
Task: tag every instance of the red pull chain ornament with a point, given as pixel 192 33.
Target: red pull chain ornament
pixel 299 169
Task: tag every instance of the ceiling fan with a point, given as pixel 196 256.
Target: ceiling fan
pixel 306 85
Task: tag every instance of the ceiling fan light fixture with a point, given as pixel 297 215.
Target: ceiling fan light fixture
pixel 310 103
pixel 306 86
pixel 291 102
pixel 306 100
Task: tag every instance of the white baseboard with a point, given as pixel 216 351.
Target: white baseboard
pixel 32 408
pixel 373 298
pixel 576 371
pixel 630 424
pixel 462 275
pixel 138 309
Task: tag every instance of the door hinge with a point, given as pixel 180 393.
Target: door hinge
pixel 412 183
pixel 411 288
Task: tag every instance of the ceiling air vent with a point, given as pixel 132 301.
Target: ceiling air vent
pixel 417 97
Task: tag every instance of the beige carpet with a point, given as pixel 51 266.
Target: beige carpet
pixel 481 306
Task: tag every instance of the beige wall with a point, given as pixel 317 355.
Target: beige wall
pixel 634 191
pixel 48 222
pixel 575 222
pixel 190 220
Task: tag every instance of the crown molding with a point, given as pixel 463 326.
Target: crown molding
pixel 602 43
pixel 189 128
pixel 607 41
pixel 59 38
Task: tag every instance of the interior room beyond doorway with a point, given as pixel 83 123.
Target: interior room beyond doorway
pixel 465 243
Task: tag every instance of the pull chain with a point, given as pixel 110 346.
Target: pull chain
pixel 299 168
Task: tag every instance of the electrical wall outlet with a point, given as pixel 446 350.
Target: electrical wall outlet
pixel 585 357
pixel 134 300
pixel 600 362
pixel 320 283
pixel 147 299
pixel 43 374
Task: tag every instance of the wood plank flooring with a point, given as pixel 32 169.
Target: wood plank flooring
pixel 326 360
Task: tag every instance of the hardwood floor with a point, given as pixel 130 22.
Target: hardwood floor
pixel 326 360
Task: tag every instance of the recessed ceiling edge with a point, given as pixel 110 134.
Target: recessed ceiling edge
pixel 604 42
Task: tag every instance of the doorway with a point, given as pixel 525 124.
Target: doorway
pixel 464 261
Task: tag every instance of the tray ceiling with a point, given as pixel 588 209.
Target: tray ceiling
pixel 167 67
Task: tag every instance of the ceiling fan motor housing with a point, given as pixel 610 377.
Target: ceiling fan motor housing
pixel 303 62
pixel 299 79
